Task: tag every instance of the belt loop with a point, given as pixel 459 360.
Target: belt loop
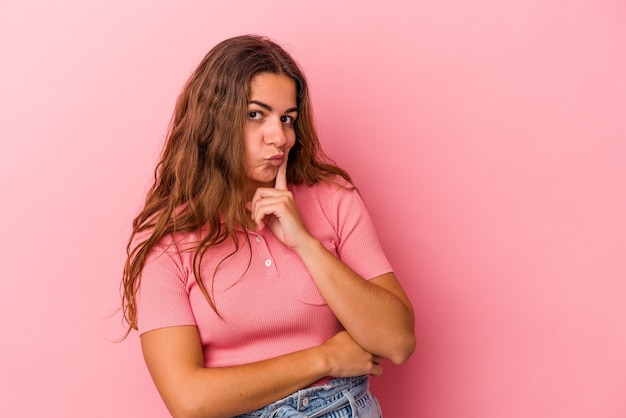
pixel 352 403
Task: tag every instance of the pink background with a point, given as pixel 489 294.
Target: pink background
pixel 487 137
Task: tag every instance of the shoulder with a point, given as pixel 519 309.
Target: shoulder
pixel 332 199
pixel 334 187
pixel 175 248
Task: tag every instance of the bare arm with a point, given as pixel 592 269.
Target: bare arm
pixel 175 360
pixel 377 313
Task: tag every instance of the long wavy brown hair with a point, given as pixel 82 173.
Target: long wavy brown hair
pixel 199 181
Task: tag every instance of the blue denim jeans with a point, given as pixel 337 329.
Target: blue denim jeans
pixel 340 398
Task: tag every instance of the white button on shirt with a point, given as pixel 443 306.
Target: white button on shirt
pixel 268 262
pixel 258 238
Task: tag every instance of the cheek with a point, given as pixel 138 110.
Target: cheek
pixel 291 139
pixel 248 137
pixel 251 146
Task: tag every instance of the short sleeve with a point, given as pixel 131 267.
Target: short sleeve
pixel 163 298
pixel 359 246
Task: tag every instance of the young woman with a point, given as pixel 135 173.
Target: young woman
pixel 254 274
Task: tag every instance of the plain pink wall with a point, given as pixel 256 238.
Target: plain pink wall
pixel 487 137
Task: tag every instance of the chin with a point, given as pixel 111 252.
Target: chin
pixel 255 183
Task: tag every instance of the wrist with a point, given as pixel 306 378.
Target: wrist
pixel 320 361
pixel 308 245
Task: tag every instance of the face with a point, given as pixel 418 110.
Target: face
pixel 269 132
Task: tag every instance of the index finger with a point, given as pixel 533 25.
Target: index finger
pixel 281 176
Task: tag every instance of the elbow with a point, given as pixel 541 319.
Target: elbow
pixel 403 350
pixel 192 413
pixel 186 398
pixel 189 409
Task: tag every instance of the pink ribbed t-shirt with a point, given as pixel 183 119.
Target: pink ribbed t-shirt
pixel 272 307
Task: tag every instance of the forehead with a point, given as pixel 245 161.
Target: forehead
pixel 273 86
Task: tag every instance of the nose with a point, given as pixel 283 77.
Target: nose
pixel 275 134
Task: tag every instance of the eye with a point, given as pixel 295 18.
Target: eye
pixel 288 120
pixel 255 115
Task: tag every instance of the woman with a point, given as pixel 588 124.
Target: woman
pixel 254 275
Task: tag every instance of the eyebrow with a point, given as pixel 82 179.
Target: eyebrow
pixel 268 107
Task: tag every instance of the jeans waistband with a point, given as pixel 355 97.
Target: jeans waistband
pixel 317 400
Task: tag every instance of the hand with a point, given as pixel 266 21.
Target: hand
pixel 276 208
pixel 347 359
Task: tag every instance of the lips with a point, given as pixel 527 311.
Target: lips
pixel 276 159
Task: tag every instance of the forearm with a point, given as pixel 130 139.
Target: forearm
pixel 229 391
pixel 175 360
pixel 379 319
